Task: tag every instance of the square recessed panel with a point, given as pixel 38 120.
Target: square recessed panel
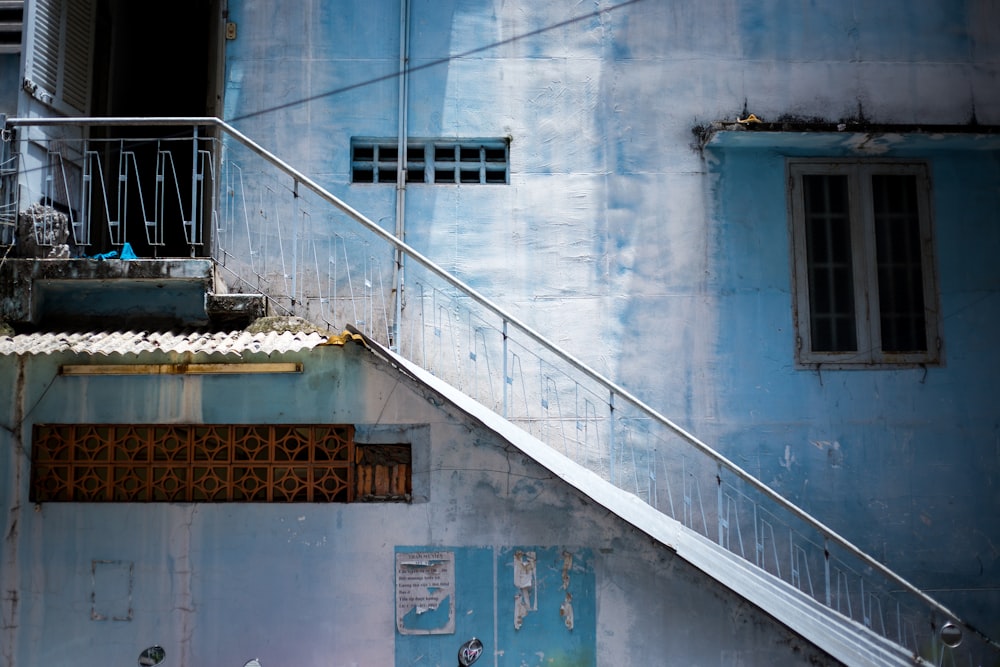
pixel 111 597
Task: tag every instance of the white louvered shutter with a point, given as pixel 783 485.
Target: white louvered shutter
pixel 59 53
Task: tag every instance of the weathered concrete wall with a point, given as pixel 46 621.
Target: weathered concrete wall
pixel 669 269
pixel 313 584
pixel 903 461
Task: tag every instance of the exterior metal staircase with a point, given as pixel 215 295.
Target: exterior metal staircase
pixel 273 230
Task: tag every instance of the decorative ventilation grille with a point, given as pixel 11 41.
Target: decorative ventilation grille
pixel 213 463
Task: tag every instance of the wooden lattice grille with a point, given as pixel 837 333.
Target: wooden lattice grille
pixel 193 463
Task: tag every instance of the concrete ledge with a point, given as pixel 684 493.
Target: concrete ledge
pixel 144 293
pixel 235 309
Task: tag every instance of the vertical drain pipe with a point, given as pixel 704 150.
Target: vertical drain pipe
pixel 404 80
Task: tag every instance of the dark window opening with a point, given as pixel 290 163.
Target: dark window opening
pixel 11 25
pixel 383 473
pixel 828 249
pixel 364 153
pixel 900 265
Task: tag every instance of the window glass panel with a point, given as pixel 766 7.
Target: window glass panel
pixel 496 155
pixel 444 153
pixel 444 175
pixel 900 266
pixel 364 153
pixel 829 263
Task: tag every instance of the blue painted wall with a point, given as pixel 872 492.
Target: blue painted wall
pixel 314 583
pixel 667 267
pixel 486 593
pixel 904 461
pixel 627 244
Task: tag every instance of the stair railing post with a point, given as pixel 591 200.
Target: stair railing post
pixel 506 374
pixel 826 570
pixel 718 492
pixel 611 436
pixel 194 236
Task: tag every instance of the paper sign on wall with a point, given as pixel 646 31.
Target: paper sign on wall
pixel 425 592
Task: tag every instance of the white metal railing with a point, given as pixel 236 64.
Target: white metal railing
pixel 272 229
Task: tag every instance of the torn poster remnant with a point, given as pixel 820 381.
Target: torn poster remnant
pixel 526 598
pixel 425 592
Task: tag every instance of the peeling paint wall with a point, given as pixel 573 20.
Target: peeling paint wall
pixel 319 584
pixel 667 268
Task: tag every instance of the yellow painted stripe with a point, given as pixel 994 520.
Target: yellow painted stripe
pixel 179 369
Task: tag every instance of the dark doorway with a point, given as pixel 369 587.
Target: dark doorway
pixel 155 58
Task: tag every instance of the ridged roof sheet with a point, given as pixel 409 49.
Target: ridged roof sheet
pixel 134 342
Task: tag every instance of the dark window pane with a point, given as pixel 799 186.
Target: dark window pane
pixel 829 263
pixel 365 153
pixel 900 266
pixel 496 155
pixel 444 153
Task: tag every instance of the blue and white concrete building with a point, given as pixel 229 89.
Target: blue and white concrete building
pixel 773 223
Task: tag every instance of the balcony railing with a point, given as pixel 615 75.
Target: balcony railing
pixel 272 229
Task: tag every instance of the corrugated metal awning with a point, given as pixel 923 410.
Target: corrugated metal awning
pixel 134 342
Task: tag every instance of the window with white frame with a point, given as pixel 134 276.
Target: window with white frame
pixel 865 290
pixel 481 161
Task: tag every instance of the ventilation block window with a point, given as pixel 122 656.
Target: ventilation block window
pixel 479 161
pixel 865 288
pixel 212 463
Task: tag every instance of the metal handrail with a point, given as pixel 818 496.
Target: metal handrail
pixel 613 388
